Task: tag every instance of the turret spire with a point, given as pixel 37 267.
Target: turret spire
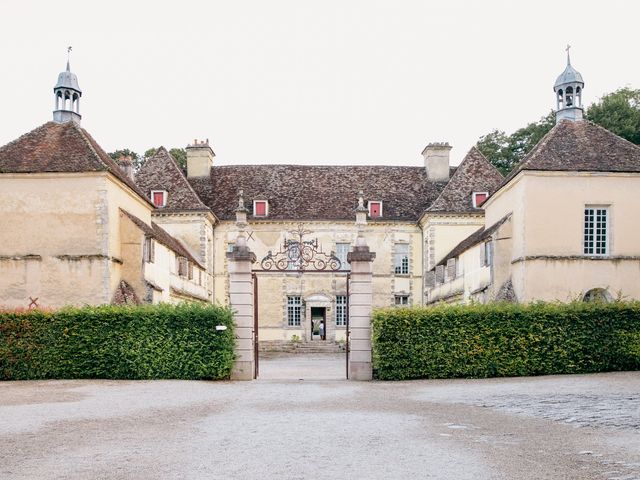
pixel 568 89
pixel 67 95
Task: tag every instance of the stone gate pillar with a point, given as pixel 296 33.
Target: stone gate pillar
pixel 241 301
pixel 360 306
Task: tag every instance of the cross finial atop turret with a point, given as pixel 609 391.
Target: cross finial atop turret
pixel 568 57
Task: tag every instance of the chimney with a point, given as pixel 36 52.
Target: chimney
pixel 199 159
pixel 436 161
pixel 126 165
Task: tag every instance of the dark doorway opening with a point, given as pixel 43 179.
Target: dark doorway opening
pixel 318 323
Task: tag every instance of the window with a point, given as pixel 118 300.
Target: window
pixel 294 308
pixel 479 198
pixel 149 250
pixel 341 310
pixel 190 270
pixel 159 198
pixel 260 208
pixel 230 246
pixel 375 209
pixel 402 299
pixel 401 259
pixel 596 229
pixel 183 266
pixel 487 254
pixel 342 249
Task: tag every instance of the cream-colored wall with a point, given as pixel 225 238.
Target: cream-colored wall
pixel 119 196
pixel 196 232
pixel 547 221
pixel 567 280
pixel 555 210
pixel 443 232
pixel 275 287
pixel 52 239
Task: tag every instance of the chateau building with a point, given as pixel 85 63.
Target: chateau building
pixel 78 228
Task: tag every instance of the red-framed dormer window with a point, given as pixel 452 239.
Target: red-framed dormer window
pixel 260 208
pixel 375 209
pixel 159 198
pixel 479 198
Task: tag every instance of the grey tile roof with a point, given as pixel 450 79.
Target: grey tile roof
pixel 581 146
pixel 161 172
pixel 318 192
pixel 59 147
pixel 474 174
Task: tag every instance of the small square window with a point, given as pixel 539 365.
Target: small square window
pixel 375 209
pixel 260 208
pixel 402 299
pixel 159 198
pixel 479 198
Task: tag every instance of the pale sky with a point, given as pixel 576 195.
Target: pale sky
pixel 308 82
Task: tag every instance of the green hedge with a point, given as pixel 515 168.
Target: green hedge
pixel 145 342
pixel 498 340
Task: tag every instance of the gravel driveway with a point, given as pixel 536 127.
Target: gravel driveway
pixel 280 427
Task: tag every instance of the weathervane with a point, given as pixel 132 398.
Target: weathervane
pixel 567 49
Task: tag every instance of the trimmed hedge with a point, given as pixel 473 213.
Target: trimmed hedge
pixel 499 340
pixel 117 342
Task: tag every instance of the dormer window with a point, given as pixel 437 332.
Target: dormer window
pixel 479 198
pixel 159 198
pixel 375 209
pixel 260 208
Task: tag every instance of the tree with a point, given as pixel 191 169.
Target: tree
pixel 125 152
pixel 618 112
pixel 505 151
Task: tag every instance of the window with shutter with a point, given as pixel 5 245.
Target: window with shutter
pixel 375 209
pixel 260 208
pixel 159 198
pixel 479 198
pixel 451 268
pixel 440 274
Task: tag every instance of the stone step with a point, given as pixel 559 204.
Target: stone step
pixel 317 346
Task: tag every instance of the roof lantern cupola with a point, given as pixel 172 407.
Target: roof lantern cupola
pixel 568 89
pixel 67 95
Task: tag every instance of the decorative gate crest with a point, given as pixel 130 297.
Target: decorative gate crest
pixel 299 255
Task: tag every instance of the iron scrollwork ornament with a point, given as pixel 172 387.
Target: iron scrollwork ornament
pixel 299 254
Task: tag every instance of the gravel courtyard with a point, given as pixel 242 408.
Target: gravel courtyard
pixel 298 423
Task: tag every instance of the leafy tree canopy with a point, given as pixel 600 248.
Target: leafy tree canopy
pixel 618 112
pixel 180 154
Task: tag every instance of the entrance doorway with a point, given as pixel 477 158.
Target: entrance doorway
pixel 318 323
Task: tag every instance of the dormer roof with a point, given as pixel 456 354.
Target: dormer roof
pixel 474 174
pixel 162 172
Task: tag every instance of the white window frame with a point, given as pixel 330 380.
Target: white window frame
pixel 164 198
pixel 294 310
pixel 399 266
pixel 341 310
pixel 266 208
pixel 475 200
pixel 591 238
pixel 487 252
pixel 369 208
pixel 401 300
pixel 342 253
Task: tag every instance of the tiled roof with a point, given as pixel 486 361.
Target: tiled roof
pixel 476 237
pixel 474 174
pixel 581 146
pixel 59 147
pixel 318 192
pixel 161 235
pixel 161 172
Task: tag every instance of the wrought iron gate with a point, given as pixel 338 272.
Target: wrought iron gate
pixel 301 256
